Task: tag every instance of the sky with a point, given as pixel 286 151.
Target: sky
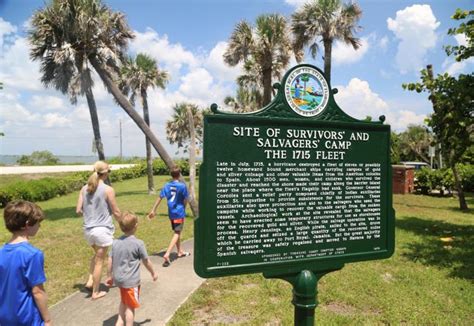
pixel 188 38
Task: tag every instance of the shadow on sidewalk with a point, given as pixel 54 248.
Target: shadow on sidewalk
pixel 112 320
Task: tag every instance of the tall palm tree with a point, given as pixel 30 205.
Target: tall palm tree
pixel 266 48
pixel 329 19
pixel 136 76
pixel 185 129
pixel 64 69
pixel 94 32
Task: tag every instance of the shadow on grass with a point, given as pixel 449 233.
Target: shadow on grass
pixel 133 193
pixel 54 214
pixel 456 254
pixel 112 320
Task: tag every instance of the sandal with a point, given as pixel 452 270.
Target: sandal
pixel 166 263
pixel 185 254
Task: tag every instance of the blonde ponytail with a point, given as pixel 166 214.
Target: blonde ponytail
pixel 100 168
pixel 93 183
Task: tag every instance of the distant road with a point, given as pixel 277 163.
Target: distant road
pixel 54 168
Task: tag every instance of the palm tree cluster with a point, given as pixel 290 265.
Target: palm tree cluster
pixel 266 48
pixel 69 37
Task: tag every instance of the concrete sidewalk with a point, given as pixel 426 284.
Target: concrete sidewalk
pixel 159 300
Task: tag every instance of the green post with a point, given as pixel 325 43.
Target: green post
pixel 305 290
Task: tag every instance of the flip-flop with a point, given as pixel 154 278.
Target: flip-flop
pixel 166 263
pixel 185 254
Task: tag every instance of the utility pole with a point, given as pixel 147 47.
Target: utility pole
pixel 120 136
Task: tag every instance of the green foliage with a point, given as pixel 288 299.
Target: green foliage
pixel 428 180
pixel 38 158
pixel 394 148
pixel 414 143
pixel 50 187
pixel 465 28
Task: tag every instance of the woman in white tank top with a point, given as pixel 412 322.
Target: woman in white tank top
pixel 96 203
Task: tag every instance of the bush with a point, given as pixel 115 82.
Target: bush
pixel 423 181
pixel 38 158
pixel 427 180
pixel 46 188
pixel 466 172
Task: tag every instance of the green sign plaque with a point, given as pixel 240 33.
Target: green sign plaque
pixel 298 185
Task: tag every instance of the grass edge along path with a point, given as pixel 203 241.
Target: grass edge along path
pixel 67 254
pixel 428 281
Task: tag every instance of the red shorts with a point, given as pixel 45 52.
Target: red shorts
pixel 130 296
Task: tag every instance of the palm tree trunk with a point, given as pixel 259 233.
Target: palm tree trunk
pixel 267 86
pixel 95 123
pixel 327 59
pixel 128 108
pixel 149 159
pixel 192 163
pixel 457 182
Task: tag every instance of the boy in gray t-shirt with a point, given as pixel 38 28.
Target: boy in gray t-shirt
pixel 124 268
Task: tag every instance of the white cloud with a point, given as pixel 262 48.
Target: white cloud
pixel 196 83
pixel 383 43
pixel 296 3
pixel 359 101
pixel 47 102
pixel 16 114
pixel 16 68
pixel 55 120
pixel 5 29
pixel 173 56
pixel 214 62
pixel 415 27
pixel 344 53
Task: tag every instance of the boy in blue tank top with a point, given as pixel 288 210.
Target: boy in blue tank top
pixel 23 298
pixel 176 195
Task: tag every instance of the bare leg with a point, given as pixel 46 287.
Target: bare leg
pixel 90 280
pixel 121 315
pixel 129 316
pixel 100 253
pixel 173 242
pixel 178 246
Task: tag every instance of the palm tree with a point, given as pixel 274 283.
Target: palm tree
pixel 185 129
pixel 136 76
pixel 245 100
pixel 94 32
pixel 264 49
pixel 329 19
pixel 63 68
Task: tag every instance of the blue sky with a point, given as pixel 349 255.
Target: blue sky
pixel 188 38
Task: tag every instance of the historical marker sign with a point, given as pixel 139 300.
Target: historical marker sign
pixel 296 186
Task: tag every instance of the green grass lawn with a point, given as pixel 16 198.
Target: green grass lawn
pixel 428 281
pixel 67 254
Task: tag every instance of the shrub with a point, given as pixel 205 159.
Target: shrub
pixel 423 181
pixel 38 158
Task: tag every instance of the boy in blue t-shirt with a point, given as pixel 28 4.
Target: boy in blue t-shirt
pixel 176 195
pixel 24 300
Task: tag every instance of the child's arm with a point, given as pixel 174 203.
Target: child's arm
pixel 155 206
pixel 79 204
pixel 41 300
pixel 149 266
pixel 109 281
